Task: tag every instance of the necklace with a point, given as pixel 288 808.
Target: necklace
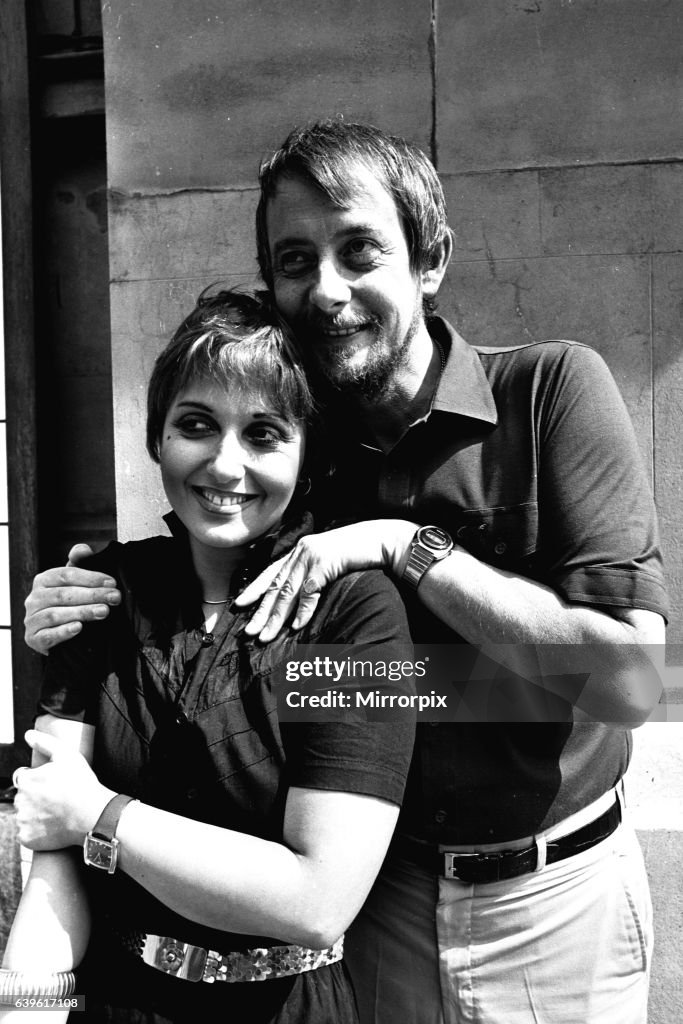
pixel 204 601
pixel 442 357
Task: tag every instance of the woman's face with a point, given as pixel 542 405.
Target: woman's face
pixel 229 463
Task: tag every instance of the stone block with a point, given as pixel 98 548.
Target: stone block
pixel 544 83
pixel 183 234
pixel 602 301
pixel 198 94
pixel 493 216
pixel 596 210
pixel 667 209
pixel 667 273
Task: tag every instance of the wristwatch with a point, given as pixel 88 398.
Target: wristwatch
pixel 100 846
pixel 430 544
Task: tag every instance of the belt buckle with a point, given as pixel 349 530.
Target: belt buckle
pixel 181 959
pixel 450 869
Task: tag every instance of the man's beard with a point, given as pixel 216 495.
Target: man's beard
pixel 370 378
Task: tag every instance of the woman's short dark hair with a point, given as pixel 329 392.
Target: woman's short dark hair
pixel 330 154
pixel 230 338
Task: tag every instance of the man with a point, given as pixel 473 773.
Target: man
pixel 513 894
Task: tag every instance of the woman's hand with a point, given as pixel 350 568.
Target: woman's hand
pixel 57 803
pixel 293 584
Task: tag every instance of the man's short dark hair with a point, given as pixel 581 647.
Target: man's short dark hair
pixel 330 154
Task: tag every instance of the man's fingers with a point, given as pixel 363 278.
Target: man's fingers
pixel 286 598
pixel 71 597
pixel 72 576
pixel 277 600
pixel 78 553
pixel 50 626
pixel 260 586
pixel 263 611
pixel 304 613
pixel 42 641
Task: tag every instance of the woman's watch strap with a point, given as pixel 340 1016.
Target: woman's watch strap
pixel 100 846
pixel 430 544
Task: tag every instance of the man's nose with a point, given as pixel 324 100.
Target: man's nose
pixel 330 290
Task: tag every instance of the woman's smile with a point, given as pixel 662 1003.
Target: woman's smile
pixel 223 502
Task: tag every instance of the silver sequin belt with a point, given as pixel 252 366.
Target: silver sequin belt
pixel 193 963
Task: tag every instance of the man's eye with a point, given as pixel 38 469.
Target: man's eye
pixel 293 264
pixel 362 251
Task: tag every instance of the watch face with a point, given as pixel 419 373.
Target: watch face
pixel 435 538
pixel 99 853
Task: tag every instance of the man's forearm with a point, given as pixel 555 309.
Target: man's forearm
pixel 511 617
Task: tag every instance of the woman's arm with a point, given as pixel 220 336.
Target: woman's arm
pixel 305 890
pixel 52 924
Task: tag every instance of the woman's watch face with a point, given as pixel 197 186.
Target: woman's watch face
pixel 100 853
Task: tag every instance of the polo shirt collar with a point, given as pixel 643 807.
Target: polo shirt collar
pixel 463 388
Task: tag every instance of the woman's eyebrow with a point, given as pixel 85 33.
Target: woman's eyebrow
pixel 271 415
pixel 194 404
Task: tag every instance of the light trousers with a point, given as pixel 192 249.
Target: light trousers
pixel 569 944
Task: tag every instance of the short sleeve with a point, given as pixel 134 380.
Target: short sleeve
pixel 74 668
pixel 368 757
pixel 597 520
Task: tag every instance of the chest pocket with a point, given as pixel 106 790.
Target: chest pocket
pixel 505 536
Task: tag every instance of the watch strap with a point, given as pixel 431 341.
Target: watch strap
pixel 107 823
pixel 418 562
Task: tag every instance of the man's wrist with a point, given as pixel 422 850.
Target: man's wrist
pixel 397 537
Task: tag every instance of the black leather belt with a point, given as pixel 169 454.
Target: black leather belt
pixel 494 867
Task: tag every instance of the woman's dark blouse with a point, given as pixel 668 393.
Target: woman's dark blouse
pixel 191 725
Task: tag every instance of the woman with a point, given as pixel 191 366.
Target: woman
pixel 253 839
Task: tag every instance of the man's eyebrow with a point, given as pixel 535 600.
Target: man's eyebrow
pixel 357 228
pixel 289 241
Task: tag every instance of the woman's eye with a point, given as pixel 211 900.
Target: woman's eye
pixel 294 264
pixel 194 426
pixel 265 436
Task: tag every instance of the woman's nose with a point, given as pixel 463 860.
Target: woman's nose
pixel 330 290
pixel 227 459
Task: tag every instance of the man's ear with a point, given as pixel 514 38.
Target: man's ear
pixel 432 276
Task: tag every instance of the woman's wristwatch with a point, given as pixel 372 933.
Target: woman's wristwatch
pixel 430 544
pixel 100 846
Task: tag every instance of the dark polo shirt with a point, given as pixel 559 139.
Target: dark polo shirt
pixel 528 458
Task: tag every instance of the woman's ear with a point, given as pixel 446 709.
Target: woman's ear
pixel 432 276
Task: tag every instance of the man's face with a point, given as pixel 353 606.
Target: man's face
pixel 343 281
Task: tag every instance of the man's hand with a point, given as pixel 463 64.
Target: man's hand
pixel 293 584
pixel 62 599
pixel 57 803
